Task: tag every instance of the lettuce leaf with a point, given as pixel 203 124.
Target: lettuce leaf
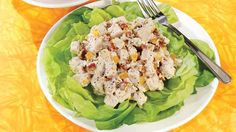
pixel 65 26
pixel 116 121
pixel 74 86
pixel 86 16
pixel 115 10
pixel 95 19
pixel 169 12
pixel 205 77
pixel 61 101
pixel 132 10
pixel 189 62
pixel 204 47
pixel 98 16
pixel 103 113
pixel 140 115
pixel 81 28
pixel 61 31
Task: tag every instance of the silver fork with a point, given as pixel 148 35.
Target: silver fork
pixel 151 9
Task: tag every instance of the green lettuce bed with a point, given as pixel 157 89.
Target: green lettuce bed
pixel 161 104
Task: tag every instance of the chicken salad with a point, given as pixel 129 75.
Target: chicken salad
pixel 123 59
pixel 115 67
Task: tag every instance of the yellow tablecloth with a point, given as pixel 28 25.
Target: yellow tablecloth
pixel 23 106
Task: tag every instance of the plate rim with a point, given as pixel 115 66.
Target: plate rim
pixel 48 5
pixel 82 124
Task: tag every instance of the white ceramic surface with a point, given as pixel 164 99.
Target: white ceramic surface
pixel 54 3
pixel 193 105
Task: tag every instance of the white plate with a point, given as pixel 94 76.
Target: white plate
pixel 193 105
pixel 55 3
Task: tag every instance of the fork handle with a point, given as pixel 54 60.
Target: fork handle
pixel 213 67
